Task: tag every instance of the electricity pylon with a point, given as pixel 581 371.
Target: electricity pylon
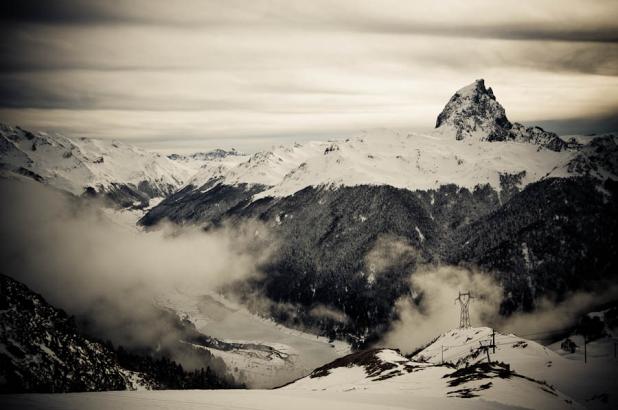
pixel 464 299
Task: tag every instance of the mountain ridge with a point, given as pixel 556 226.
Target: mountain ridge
pixel 125 174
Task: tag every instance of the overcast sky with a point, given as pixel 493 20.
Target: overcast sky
pixel 184 75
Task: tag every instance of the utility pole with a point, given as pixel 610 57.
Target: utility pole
pixel 464 299
pixel 493 339
pixel 485 345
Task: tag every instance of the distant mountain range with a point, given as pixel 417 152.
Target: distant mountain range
pixel 536 211
pixel 127 175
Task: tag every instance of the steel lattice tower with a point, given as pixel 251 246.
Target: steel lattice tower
pixel 464 299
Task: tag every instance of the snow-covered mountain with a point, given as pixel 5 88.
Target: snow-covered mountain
pixel 126 174
pixel 452 371
pixel 473 113
pixel 477 191
pixel 590 383
pixel 457 152
pixel 521 373
pixel 503 382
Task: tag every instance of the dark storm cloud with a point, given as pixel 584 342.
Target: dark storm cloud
pixel 594 125
pixel 21 93
pixel 268 13
pixel 59 11
pixel 491 31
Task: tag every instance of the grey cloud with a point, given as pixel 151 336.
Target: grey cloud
pixel 593 125
pixel 432 310
pixel 491 31
pixel 109 274
pixel 58 11
pixel 347 16
pixel 80 12
pixel 150 70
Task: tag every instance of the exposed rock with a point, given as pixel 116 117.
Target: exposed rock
pixel 41 350
pixel 474 113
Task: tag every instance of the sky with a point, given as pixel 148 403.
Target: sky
pixel 192 75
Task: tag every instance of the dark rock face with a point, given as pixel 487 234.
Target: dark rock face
pixel 41 350
pixel 205 156
pixel 537 136
pixel 598 158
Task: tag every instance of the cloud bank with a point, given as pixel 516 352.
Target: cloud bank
pixel 107 274
pixel 205 74
pixel 432 309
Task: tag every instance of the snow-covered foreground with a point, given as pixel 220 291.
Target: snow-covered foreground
pixel 386 371
pixel 241 399
pixel 272 354
pixel 592 383
pixel 522 375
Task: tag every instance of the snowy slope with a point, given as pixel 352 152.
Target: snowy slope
pixel 245 400
pixel 216 166
pixel 584 382
pixel 411 161
pixel 263 353
pixel 74 164
pixel 207 165
pixel 388 372
pixel 473 144
pixel 377 379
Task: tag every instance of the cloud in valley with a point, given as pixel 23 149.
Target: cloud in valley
pixel 434 311
pixel 109 274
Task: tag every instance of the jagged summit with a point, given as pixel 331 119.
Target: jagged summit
pixel 473 112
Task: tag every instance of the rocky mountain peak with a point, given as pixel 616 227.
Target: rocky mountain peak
pixel 474 112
